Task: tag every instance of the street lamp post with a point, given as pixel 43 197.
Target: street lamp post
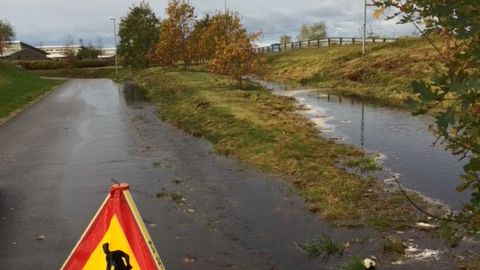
pixel 365 4
pixel 115 36
pixel 364 25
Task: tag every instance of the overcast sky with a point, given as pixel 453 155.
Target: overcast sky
pixel 50 22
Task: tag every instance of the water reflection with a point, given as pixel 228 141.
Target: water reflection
pixel 133 93
pixel 362 129
pixel 405 140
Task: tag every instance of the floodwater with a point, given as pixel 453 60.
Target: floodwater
pixel 57 159
pixel 403 142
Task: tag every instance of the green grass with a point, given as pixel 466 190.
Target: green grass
pixel 263 130
pixel 365 164
pixel 18 88
pixel 353 264
pixel 394 245
pixel 322 246
pixel 383 74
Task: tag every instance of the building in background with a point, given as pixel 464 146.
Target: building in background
pixel 107 53
pixel 59 51
pixel 17 50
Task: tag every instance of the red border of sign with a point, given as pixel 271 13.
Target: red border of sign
pixel 117 204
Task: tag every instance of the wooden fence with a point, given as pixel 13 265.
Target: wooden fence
pixel 318 43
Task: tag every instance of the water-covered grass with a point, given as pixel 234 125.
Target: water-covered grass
pixel 18 88
pixel 322 246
pixel 384 73
pixel 264 130
pixel 353 264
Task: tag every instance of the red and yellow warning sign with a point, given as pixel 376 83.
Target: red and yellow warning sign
pixel 116 238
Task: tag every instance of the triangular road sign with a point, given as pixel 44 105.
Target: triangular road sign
pixel 116 238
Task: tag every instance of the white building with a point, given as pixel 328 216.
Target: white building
pixel 57 52
pixel 108 53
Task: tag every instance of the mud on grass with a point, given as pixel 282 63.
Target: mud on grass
pixel 263 130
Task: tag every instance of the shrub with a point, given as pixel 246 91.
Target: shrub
pixel 50 64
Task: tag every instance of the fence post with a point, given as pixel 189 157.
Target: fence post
pixel 308 43
pixel 318 43
pixel 384 40
pixel 328 41
pixel 299 45
pixel 353 41
pixel 373 40
pixel 341 41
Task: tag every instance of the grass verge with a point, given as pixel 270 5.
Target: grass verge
pixel 18 88
pixel 102 72
pixel 264 130
pixel 384 74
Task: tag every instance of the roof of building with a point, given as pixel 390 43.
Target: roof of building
pixel 12 47
pixel 57 46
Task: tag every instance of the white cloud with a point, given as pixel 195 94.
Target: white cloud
pixel 51 21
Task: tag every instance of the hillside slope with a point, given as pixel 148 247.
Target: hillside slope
pixel 384 73
pixel 18 88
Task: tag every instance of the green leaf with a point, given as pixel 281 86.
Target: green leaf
pixel 472 165
pixel 446 118
pixel 426 94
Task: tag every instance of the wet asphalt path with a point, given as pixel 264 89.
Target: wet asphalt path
pixel 56 160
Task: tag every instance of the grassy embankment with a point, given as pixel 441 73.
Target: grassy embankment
pixel 383 74
pixel 18 88
pixel 264 130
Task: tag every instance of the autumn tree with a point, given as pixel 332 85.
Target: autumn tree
pixel 138 33
pixel 285 39
pixel 202 45
pixel 311 32
pixel 234 55
pixel 6 34
pixel 453 94
pixel 175 33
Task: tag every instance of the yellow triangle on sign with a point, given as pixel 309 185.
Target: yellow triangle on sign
pixel 116 239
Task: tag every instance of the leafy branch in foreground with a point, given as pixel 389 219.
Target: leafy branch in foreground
pixel 454 91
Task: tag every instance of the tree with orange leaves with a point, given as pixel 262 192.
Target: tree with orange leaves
pixel 175 31
pixel 234 55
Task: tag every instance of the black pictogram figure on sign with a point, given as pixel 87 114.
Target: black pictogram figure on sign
pixel 117 259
